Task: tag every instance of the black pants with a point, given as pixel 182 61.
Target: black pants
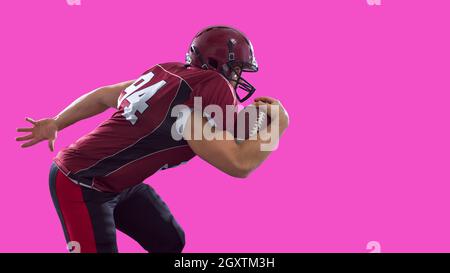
pixel 90 218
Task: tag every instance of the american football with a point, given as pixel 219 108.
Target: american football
pixel 249 121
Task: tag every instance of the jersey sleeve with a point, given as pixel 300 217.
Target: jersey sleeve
pixel 217 96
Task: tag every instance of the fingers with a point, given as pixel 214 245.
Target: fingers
pixel 32 121
pixel 51 144
pixel 24 129
pixel 266 100
pixel 22 138
pixel 257 103
pixel 30 143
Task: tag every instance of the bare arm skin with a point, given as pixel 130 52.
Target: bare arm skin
pixel 88 105
pixel 237 160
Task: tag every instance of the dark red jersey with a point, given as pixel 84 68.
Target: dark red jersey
pixel 137 140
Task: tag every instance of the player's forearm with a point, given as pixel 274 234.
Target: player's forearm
pixel 251 152
pixel 84 107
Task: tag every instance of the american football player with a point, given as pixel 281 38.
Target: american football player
pixel 96 183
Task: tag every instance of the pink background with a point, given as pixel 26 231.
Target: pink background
pixel 366 157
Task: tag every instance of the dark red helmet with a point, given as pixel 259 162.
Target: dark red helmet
pixel 223 48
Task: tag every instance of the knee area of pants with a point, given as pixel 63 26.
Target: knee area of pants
pixel 178 241
pixel 173 243
pixel 179 246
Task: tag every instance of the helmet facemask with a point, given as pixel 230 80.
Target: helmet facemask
pixel 233 72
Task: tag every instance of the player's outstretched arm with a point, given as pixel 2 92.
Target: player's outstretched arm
pixel 221 150
pixel 88 105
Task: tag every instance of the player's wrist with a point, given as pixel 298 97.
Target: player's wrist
pixel 56 121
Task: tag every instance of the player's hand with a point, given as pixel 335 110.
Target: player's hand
pixel 281 114
pixel 44 129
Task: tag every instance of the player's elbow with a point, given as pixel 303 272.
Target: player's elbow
pixel 239 174
pixel 240 169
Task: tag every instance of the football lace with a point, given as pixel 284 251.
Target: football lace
pixel 258 124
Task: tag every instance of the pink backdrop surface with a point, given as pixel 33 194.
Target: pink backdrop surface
pixel 366 157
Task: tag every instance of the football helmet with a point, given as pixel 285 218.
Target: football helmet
pixel 223 49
